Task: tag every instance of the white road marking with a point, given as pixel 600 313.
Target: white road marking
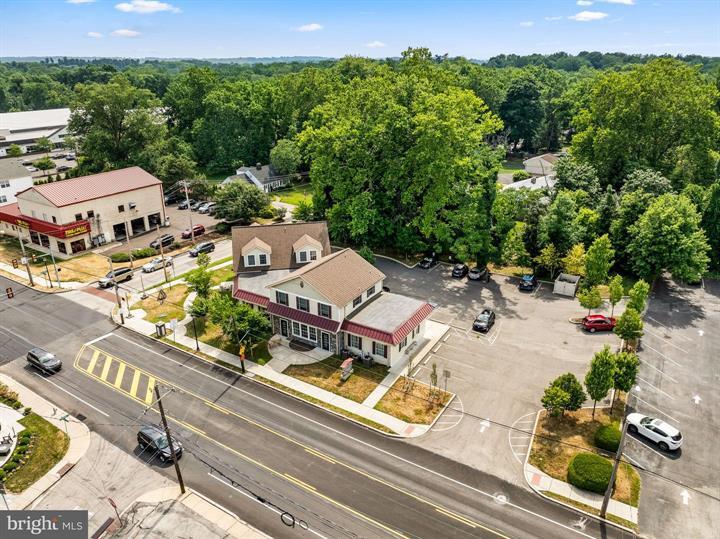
pixel 657 409
pixel 701 332
pixel 696 399
pixel 656 388
pixel 646 444
pixel 671 329
pixel 671 360
pixel 254 498
pixel 663 373
pixel 484 424
pixel 99 338
pixel 685 495
pixel 666 341
pixel 72 395
pixel 362 442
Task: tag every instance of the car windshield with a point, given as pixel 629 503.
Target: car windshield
pixel 110 274
pixel 46 357
pixel 161 442
pixel 527 277
pixel 483 317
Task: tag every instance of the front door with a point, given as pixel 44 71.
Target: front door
pixel 324 341
pixel 284 327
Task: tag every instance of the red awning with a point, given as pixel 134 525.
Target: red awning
pixel 303 317
pixel 11 214
pixel 395 337
pixel 251 297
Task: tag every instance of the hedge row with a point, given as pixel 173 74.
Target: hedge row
pixel 607 437
pixel 589 471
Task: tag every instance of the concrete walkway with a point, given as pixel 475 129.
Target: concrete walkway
pixel 78 433
pixel 41 281
pixel 397 426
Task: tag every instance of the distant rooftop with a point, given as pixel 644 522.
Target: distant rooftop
pixel 11 169
pixel 34 119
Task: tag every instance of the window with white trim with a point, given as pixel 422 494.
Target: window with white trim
pixel 313 255
pixel 303 256
pixel 357 301
pixel 354 341
pixel 379 349
pixel 403 344
pixel 263 259
pixel 282 298
pixel 324 310
pixel 250 260
pixel 304 331
pixel 3 199
pixel 302 304
pixel 296 328
pixel 370 291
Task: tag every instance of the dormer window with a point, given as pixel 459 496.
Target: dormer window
pixel 256 253
pixel 263 259
pixel 303 256
pixel 307 249
pixel 313 255
pixel 250 260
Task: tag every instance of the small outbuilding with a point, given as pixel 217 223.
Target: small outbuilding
pixel 566 284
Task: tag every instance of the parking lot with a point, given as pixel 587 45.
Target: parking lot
pixel 500 377
pixel 678 383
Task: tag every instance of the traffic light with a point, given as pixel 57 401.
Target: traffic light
pixel 10 293
pixel 15 263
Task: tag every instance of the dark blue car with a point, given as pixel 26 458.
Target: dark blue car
pixel 528 283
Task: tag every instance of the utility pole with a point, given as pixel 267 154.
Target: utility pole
pixel 47 272
pixel 242 356
pixel 187 200
pixel 162 256
pixel 57 275
pixel 27 264
pixel 618 456
pixel 169 439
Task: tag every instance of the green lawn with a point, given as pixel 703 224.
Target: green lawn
pixel 294 194
pixel 213 335
pixel 511 165
pixel 49 446
pixel 223 274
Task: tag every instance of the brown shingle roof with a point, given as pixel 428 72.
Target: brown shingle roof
pixel 280 237
pixel 67 192
pixel 340 277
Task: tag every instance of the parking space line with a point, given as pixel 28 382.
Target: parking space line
pixel 668 328
pixel 657 409
pixel 656 388
pixel 663 373
pixel 666 341
pixel 642 443
pixel 671 360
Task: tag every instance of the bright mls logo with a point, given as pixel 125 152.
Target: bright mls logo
pixel 56 524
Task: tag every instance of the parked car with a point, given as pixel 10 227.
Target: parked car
pixel 119 275
pixel 154 440
pixel 459 271
pixel 428 262
pixel 173 197
pixel 528 283
pixel 156 264
pixel 197 230
pixel 165 240
pixel 31 169
pixel 479 274
pixel 205 208
pixel 598 322
pixel 204 247
pixel 70 156
pixel 666 436
pixel 44 360
pixel 63 168
pixel 27 163
pixel 484 321
pixel 196 205
pixel 185 204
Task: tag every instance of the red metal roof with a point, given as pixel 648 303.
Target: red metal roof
pixel 303 317
pixel 251 297
pixel 84 188
pixel 394 337
pixel 10 213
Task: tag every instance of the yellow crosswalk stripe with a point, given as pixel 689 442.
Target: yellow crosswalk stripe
pixel 150 388
pixel 135 382
pixel 120 374
pixel 93 360
pixel 106 368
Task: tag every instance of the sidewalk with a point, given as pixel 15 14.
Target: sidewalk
pixel 78 433
pixel 397 426
pixel 41 281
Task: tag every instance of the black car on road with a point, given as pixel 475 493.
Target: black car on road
pixel 484 321
pixel 166 240
pixel 459 271
pixel 154 440
pixel 204 247
pixel 428 262
pixel 479 274
pixel 528 283
pixel 44 360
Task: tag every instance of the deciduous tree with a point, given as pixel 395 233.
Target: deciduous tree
pixel 615 291
pixel 285 157
pixel 590 298
pixel 599 379
pixel 629 326
pixel 638 295
pixel 564 394
pixel 574 261
pixel 627 365
pixel 240 201
pixel 599 260
pixel 549 259
pixel 14 150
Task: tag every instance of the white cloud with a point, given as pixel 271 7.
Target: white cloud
pixel 124 32
pixel 527 24
pixel 145 7
pixel 586 16
pixel 94 34
pixel 557 18
pixel 623 2
pixel 375 44
pixel 312 27
pixel 584 3
pixel 79 1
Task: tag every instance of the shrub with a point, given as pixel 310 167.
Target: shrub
pixel 21 450
pixel 279 213
pixel 25 435
pixel 9 466
pixel 2 475
pixel 120 257
pixel 199 307
pixel 175 246
pixel 222 228
pixel 367 254
pixel 27 410
pixel 16 458
pixel 145 252
pixel 520 175
pixel 589 471
pixel 266 213
pixel 16 405
pixel 607 437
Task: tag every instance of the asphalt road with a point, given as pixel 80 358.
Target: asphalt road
pixel 246 442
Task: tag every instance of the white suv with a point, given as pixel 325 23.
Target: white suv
pixel 666 436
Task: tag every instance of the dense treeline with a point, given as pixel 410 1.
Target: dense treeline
pixel 404 154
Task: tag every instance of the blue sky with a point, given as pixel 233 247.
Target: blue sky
pixel 471 28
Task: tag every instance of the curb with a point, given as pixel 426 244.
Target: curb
pixel 558 502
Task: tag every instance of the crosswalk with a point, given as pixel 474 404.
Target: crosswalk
pixel 114 372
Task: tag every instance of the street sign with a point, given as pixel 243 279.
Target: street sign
pixel 446 374
pixel 162 296
pixel 10 293
pixel 24 260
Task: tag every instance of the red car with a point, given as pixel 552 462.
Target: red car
pixel 598 322
pixel 198 230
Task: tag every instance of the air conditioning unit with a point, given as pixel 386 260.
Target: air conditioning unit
pixel 131 205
